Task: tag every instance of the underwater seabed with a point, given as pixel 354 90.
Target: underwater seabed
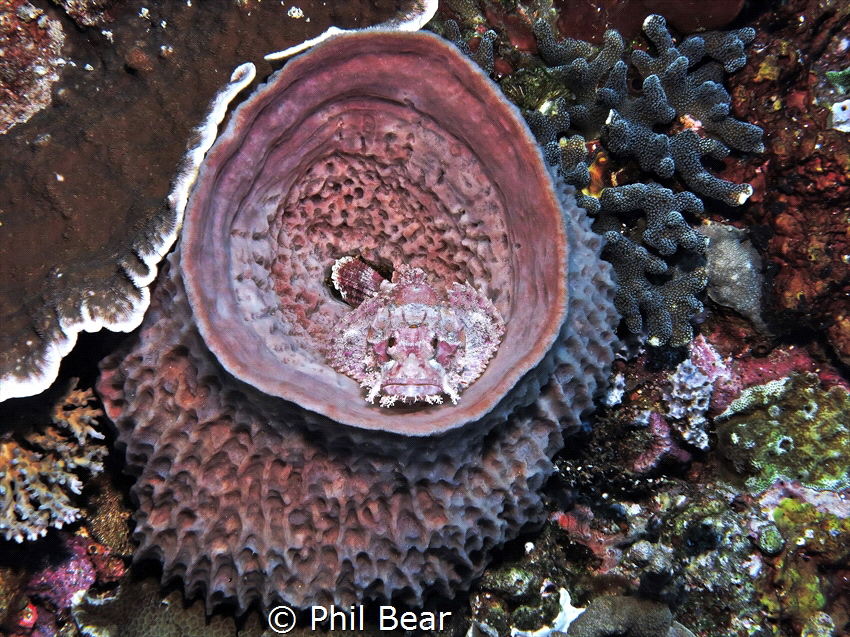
pixel 708 496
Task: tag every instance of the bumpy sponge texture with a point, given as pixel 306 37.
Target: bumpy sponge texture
pixel 247 496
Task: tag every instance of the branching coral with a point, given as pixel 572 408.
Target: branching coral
pixel 677 84
pixel 40 471
pixel 668 306
pixel 681 91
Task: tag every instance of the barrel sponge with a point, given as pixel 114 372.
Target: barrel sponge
pixel 263 474
pixel 250 497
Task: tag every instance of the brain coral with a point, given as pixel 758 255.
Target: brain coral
pixel 263 473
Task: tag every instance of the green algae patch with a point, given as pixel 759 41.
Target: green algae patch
pixel 814 531
pixel 840 79
pixel 817 542
pixel 789 429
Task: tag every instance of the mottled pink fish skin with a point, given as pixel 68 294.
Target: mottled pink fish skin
pixel 355 280
pixel 410 341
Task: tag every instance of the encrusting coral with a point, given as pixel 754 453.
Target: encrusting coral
pixel 40 471
pixel 687 398
pixel 735 272
pixel 139 610
pixel 615 616
pixel 789 429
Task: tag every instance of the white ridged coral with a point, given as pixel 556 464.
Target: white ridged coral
pixel 40 470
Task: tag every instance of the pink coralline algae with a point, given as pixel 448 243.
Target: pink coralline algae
pixel 410 342
pixel 59 583
pixel 263 473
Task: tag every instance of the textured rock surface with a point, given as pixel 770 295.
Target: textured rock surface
pixel 247 495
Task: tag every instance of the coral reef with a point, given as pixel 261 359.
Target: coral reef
pixel 800 578
pixel 801 182
pixel 634 510
pixel 84 185
pixel 53 573
pixel 108 517
pixel 41 471
pixel 682 95
pixel 413 499
pixel 789 429
pixel 58 584
pixel 528 598
pixel 766 562
pixel 524 594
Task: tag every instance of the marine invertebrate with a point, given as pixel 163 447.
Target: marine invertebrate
pixel 83 188
pixel 139 610
pixel 626 616
pixel 681 116
pixel 788 429
pixel 840 116
pixel 42 469
pixel 646 285
pixel 817 544
pixel 28 364
pixel 809 163
pixel 60 583
pixel 263 474
pixel 735 271
pixel 688 397
pixel 411 342
pixel 670 89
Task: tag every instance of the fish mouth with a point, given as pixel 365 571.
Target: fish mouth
pixel 411 390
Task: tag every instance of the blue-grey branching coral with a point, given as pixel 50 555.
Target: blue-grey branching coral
pixel 679 86
pixel 680 118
